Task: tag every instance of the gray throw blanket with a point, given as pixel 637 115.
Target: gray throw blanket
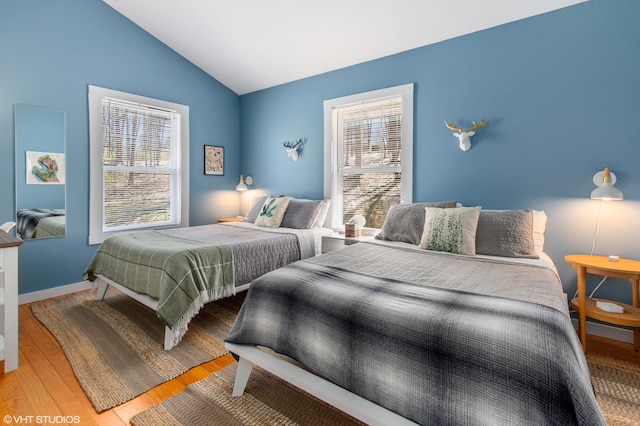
pixel 433 355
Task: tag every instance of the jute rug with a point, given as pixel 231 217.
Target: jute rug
pixel 115 346
pixel 269 401
pixel 617 386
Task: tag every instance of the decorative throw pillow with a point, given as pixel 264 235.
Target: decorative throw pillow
pixel 253 213
pixel 322 214
pixel 301 214
pixel 272 212
pixel 506 233
pixel 539 226
pixel 405 222
pixel 452 230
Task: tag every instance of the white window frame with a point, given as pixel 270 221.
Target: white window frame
pixel 334 217
pixel 96 192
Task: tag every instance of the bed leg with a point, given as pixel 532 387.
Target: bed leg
pixel 242 377
pixel 102 289
pixel 168 338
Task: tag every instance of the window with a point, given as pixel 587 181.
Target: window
pixel 138 163
pixel 368 154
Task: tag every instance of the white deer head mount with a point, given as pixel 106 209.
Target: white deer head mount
pixel 292 148
pixel 464 137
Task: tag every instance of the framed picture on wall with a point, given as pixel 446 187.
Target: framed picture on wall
pixel 45 168
pixel 213 160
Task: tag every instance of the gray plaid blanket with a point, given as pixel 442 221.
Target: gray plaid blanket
pixel 431 354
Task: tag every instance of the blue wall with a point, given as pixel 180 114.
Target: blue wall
pixel 561 92
pixel 50 51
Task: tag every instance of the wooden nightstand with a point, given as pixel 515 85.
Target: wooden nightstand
pixel 231 219
pixel 586 307
pixel 337 240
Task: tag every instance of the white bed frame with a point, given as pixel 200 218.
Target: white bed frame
pixel 350 403
pixel 103 284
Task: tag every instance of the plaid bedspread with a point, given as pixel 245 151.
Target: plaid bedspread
pixel 28 219
pixel 185 268
pixel 431 354
pixel 182 275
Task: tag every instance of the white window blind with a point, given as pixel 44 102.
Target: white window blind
pixel 140 167
pixel 369 148
pixel 371 154
pixel 139 174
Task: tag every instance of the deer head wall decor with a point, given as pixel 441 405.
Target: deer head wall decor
pixel 464 137
pixel 292 148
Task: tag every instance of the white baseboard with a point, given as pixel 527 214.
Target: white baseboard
pixel 53 292
pixel 607 331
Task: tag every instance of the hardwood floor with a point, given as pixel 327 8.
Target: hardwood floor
pixel 45 385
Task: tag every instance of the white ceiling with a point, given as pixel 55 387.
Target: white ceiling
pixel 250 45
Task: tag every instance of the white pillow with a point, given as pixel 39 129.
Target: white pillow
pixel 451 229
pixel 272 212
pixel 539 226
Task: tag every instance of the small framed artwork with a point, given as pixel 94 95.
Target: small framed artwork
pixel 45 168
pixel 213 160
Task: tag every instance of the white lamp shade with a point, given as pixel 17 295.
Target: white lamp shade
pixel 605 190
pixel 241 186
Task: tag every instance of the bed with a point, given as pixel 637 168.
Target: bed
pixel 28 220
pixel 49 227
pixel 402 332
pixel 176 271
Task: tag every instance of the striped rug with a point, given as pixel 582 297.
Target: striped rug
pixel 269 401
pixel 617 386
pixel 115 346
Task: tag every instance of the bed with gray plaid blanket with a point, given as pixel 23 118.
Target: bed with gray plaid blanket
pixel 439 339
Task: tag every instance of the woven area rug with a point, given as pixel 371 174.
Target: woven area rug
pixel 267 401
pixel 115 346
pixel 617 386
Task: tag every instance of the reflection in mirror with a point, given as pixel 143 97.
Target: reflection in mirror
pixel 40 172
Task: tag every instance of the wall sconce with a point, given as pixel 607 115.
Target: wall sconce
pixel 244 183
pixel 464 138
pixel 605 191
pixel 292 148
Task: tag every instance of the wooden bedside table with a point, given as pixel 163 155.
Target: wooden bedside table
pixel 586 307
pixel 231 219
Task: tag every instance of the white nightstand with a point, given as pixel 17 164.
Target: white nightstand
pixel 336 240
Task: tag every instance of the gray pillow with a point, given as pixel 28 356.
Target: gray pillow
pixel 405 222
pixel 301 214
pixel 253 213
pixel 506 233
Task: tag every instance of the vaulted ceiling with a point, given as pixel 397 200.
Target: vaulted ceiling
pixel 250 45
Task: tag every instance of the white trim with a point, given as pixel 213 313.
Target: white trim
pixel 607 331
pixel 96 94
pixel 50 293
pixel 406 91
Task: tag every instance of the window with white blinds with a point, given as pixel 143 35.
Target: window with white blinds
pixel 139 157
pixel 371 154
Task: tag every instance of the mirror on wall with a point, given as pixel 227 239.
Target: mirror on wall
pixel 40 137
